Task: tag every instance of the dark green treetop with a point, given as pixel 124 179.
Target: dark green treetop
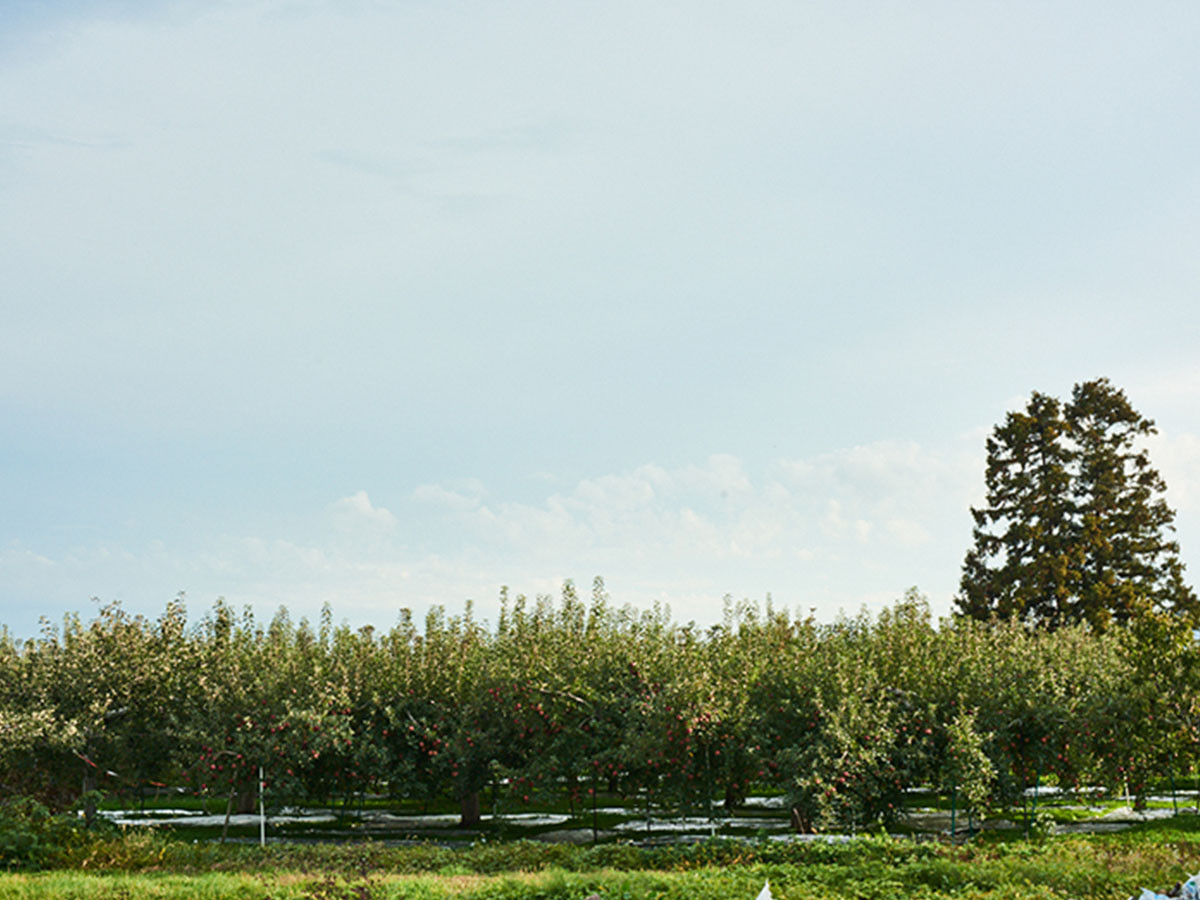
pixel 1075 525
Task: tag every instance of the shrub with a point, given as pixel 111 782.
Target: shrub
pixel 32 837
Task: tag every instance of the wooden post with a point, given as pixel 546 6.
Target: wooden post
pixel 953 810
pixel 262 811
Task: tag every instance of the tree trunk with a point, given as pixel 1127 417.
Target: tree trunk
pixel 228 811
pixel 734 797
pixel 247 800
pixel 470 810
pixel 89 801
pixel 801 823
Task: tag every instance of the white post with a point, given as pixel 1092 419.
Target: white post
pixel 262 812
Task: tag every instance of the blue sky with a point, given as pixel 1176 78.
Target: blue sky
pixel 391 304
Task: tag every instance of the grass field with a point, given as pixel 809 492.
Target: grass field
pixel 140 864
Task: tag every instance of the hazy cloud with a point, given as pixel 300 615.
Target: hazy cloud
pixel 298 296
pixel 357 508
pixel 702 525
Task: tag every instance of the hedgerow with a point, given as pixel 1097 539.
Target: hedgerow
pixel 563 700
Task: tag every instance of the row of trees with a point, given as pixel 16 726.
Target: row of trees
pixel 571 696
pixel 567 697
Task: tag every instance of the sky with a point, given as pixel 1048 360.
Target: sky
pixel 390 304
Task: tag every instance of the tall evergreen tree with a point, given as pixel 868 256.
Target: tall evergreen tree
pixel 1121 516
pixel 1075 523
pixel 1024 560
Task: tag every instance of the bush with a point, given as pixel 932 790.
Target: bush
pixel 31 837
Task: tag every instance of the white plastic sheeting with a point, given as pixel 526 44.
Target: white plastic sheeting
pixel 1189 890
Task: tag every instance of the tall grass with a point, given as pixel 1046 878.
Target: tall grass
pixel 1095 866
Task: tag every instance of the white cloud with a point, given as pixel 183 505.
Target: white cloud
pixel 797 523
pixel 819 532
pixel 907 532
pixel 357 509
pixel 463 495
pixel 862 530
pixel 833 524
pixel 547 225
pixel 14 555
pixel 1177 458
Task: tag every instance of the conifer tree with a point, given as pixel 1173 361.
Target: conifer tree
pixel 1024 559
pixel 1075 526
pixel 1120 514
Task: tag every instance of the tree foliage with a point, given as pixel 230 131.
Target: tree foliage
pixel 1075 527
pixel 569 698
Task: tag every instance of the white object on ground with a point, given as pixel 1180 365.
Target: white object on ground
pixel 765 893
pixel 1190 890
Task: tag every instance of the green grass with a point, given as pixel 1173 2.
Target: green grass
pixel 933 879
pixel 142 864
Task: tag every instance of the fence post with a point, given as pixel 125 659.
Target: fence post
pixel 262 811
pixel 709 792
pixel 953 810
pixel 1037 780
